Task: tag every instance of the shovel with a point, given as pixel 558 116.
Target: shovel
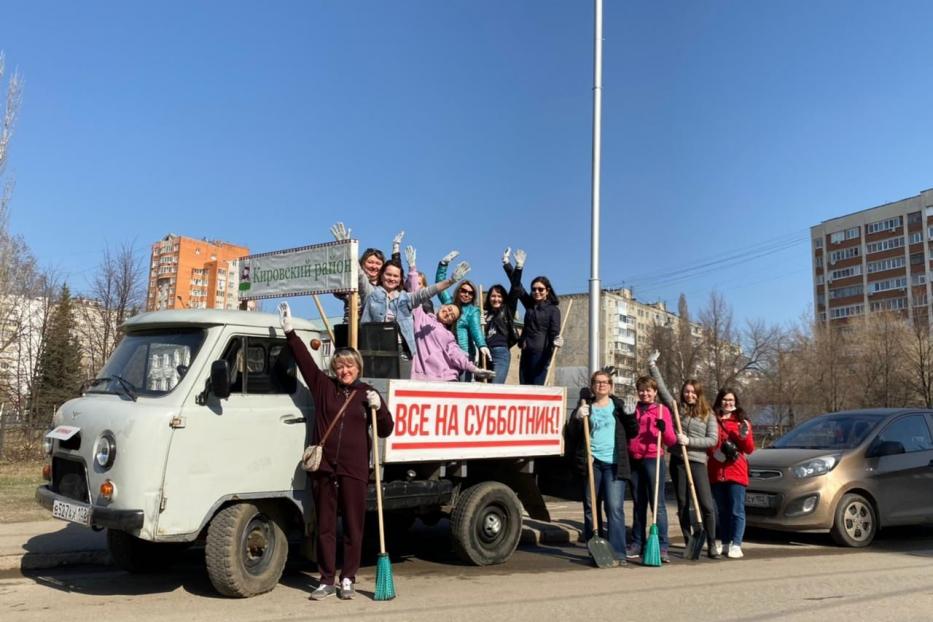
pixel 599 548
pixel 698 536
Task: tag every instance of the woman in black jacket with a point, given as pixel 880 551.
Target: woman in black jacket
pixel 610 429
pixel 541 332
pixel 499 308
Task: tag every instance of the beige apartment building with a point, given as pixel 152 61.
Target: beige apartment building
pixel 878 259
pixel 190 273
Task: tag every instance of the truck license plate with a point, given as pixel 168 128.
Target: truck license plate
pixel 73 512
pixel 757 500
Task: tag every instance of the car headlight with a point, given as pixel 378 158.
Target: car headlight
pixel 816 466
pixel 106 451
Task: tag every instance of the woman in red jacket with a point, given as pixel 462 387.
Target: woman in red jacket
pixel 728 471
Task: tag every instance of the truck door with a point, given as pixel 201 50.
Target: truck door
pixel 248 444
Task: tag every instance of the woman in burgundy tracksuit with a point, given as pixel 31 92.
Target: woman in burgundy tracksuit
pixel 343 475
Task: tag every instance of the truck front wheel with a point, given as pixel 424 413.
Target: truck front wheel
pixel 486 523
pixel 141 556
pixel 245 552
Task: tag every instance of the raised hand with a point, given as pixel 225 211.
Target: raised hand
pixel 285 317
pixel 446 259
pixel 397 241
pixel 506 254
pixel 653 357
pixel 410 255
pixel 340 232
pixel 460 271
pixel 520 256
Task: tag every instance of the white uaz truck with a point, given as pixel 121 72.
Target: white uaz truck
pixel 194 430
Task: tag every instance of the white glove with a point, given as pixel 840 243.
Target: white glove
pixel 485 352
pixel 483 374
pixel 520 256
pixel 340 232
pixel 583 410
pixel 410 255
pixel 397 241
pixel 460 271
pixel 373 399
pixel 558 341
pixel 683 439
pixel 743 429
pixel 653 357
pixel 506 254
pixel 285 317
pixel 449 257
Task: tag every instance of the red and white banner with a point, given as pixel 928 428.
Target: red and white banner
pixel 455 421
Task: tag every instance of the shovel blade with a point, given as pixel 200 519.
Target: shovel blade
pixel 695 544
pixel 601 552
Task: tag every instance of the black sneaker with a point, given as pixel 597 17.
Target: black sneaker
pixel 322 592
pixel 632 553
pixel 665 559
pixel 346 590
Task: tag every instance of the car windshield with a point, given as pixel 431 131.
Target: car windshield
pixel 829 432
pixel 149 363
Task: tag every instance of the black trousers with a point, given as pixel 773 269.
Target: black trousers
pixel 350 495
pixel 685 501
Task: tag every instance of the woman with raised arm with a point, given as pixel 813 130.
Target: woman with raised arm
pixel 541 332
pixel 700 432
pixel 371 261
pixel 728 470
pixel 469 329
pixel 340 481
pixel 389 302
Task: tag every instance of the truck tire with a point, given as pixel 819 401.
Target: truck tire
pixel 855 523
pixel 486 523
pixel 245 552
pixel 140 556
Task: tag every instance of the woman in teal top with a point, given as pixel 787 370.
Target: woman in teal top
pixel 610 429
pixel 469 330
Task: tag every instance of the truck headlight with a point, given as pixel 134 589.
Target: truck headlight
pixel 47 445
pixel 815 467
pixel 106 451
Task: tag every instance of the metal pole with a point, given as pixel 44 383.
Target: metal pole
pixel 594 247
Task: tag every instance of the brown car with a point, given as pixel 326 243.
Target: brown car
pixel 847 472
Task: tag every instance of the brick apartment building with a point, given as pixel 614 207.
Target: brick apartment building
pixel 878 259
pixel 190 273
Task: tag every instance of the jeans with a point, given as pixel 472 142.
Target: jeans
pixel 532 367
pixel 643 478
pixel 685 509
pixel 730 502
pixel 611 490
pixel 501 359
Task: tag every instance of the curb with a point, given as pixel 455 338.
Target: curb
pixel 538 533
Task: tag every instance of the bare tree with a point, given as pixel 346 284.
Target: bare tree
pixel 918 358
pixel 116 294
pixel 877 364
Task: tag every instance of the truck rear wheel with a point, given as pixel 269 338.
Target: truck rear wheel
pixel 486 523
pixel 245 552
pixel 140 556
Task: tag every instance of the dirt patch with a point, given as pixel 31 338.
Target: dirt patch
pixel 18 482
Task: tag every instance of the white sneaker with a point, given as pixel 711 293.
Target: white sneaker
pixel 735 552
pixel 346 589
pixel 717 547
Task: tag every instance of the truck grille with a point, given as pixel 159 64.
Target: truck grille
pixel 69 479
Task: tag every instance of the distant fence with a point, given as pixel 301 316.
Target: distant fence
pixel 19 440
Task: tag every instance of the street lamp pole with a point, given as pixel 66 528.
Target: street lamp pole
pixel 597 148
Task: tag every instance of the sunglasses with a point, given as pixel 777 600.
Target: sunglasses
pixel 539 289
pixel 467 291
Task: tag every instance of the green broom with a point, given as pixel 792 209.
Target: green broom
pixel 385 585
pixel 651 556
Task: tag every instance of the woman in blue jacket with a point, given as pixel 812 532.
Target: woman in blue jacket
pixel 469 330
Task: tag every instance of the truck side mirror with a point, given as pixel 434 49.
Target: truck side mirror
pixel 220 379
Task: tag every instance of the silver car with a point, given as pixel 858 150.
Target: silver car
pixel 850 473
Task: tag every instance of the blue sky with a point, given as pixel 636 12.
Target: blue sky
pixel 728 127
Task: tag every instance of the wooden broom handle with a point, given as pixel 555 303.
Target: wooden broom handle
pixel 693 490
pixel 382 535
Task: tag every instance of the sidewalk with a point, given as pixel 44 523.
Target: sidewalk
pixel 52 543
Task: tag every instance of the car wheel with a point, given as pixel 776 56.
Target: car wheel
pixel 855 523
pixel 486 524
pixel 245 551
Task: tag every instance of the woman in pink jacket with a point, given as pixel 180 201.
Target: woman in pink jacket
pixel 437 356
pixel 643 450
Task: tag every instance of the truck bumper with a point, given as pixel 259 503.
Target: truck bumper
pixel 101 518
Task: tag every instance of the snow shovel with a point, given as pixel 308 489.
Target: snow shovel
pixel 600 549
pixel 698 534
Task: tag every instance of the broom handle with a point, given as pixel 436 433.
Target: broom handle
pixel 382 534
pixel 553 363
pixel 657 474
pixel 589 472
pixel 693 490
pixel 320 310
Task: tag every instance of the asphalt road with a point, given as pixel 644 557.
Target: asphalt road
pixel 781 578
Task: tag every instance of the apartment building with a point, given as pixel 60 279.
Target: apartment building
pixel 190 273
pixel 878 259
pixel 625 327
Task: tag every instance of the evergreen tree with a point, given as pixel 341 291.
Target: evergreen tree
pixel 59 374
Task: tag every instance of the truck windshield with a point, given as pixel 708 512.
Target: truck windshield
pixel 149 363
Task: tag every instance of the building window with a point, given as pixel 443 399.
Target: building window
pixel 845 292
pixel 914 219
pixel 891 304
pixel 819 279
pixel 884 225
pixel 836 237
pixel 888 284
pixel 886 264
pixel 852 233
pixel 916 237
pixel 885 245
pixel 847 253
pixel 818 242
pixel 848 311
pixel 918 279
pixel 845 272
